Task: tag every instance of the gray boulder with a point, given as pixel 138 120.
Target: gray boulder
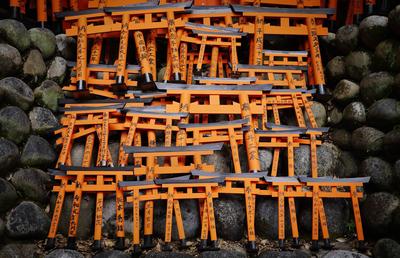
pixel 37 153
pixel 10 60
pixel 396 85
pixel 43 121
pixel 341 138
pixel 19 250
pixel 396 171
pixel 337 216
pixel 222 254
pixel 64 253
pixel 377 211
pixel 347 165
pixel 66 46
pixel 394 20
pixel 27 221
pixel 380 171
pixel 385 56
pixel 48 94
pixel 343 254
pixel 358 65
pixel 335 116
pixel 112 254
pixel 15 33
pixel 386 248
pixel 230 216
pixel 14 124
pixel 190 217
pixel 8 196
pixel 345 92
pixel 86 215
pixel 2 227
pixel 335 69
pixel 284 254
pixel 220 159
pixel 266 219
pixel 265 156
pixel 319 112
pixel 346 38
pixel 9 156
pixel 354 115
pixel 57 70
pixel 384 113
pixel 367 140
pixel 33 184
pixel 328 157
pixel 34 67
pixel 376 86
pixel 158 254
pixel 44 40
pixel 16 92
pixel 374 29
pixel 391 143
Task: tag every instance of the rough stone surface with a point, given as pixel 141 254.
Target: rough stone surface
pixel 377 212
pixel 43 121
pixel 384 113
pixel 265 156
pixel 220 159
pixel 19 250
pixel 37 153
pixel 27 221
pixel 10 60
pixel 112 254
pixel 373 29
pixel 34 67
pixel 346 91
pixel 32 184
pixel 284 254
pixel 354 115
pixel 319 112
pixel 230 217
pixel 158 254
pixel 367 140
pixel 380 172
pixel 341 138
pixel 335 69
pixel 57 70
pixel 15 33
pixel 385 55
pixel 386 248
pixel 44 40
pixel 66 46
pixel 358 64
pixel 48 94
pixel 337 216
pixel 396 85
pixel 9 156
pixel 266 220
pixel 328 158
pixel 86 215
pixel 343 254
pixel 2 228
pixel 347 166
pixel 64 253
pixel 396 171
pixel 14 124
pixel 394 20
pixel 190 217
pixel 16 92
pixel 376 86
pixel 335 116
pixel 8 196
pixel 346 38
pixel 222 254
pixel 391 143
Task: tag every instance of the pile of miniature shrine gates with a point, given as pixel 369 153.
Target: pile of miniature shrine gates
pixel 167 128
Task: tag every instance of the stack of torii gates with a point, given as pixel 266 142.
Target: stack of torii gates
pixel 207 97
